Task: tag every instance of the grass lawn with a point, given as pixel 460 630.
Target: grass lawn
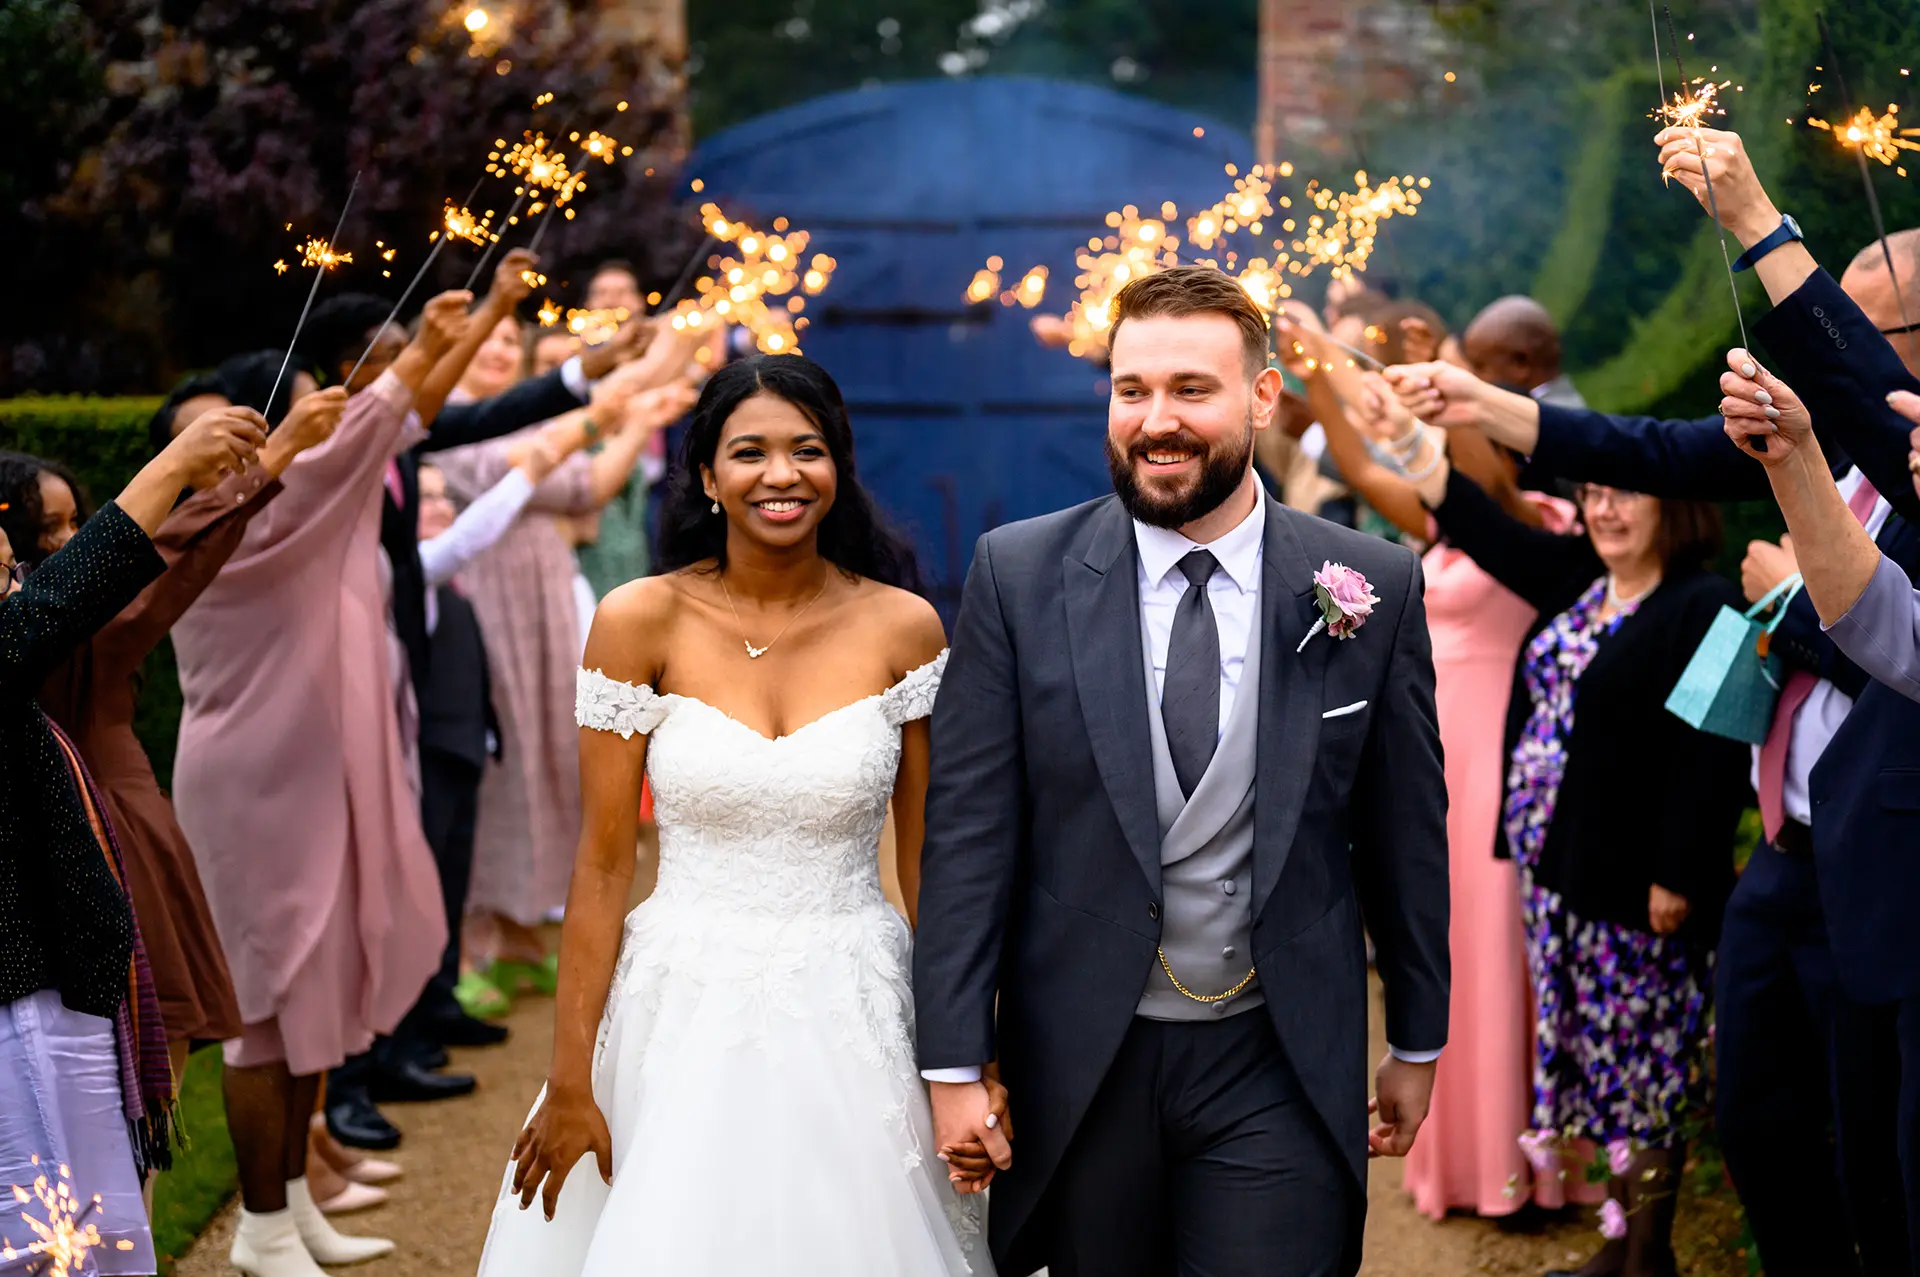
pixel 203 1175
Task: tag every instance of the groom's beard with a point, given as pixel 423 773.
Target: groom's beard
pixel 1222 470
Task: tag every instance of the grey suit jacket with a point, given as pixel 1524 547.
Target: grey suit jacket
pixel 1041 893
pixel 1881 632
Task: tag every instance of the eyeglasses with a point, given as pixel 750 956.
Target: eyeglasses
pixel 1594 494
pixel 16 576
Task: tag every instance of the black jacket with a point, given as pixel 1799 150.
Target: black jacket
pixel 64 919
pixel 537 399
pixel 1645 799
pixel 456 700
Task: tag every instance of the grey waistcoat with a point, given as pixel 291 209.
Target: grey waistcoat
pixel 1206 859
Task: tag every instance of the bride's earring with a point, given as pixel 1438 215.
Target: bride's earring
pixel 716 507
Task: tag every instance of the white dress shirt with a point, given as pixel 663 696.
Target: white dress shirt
pixel 1826 707
pixel 479 526
pixel 1234 592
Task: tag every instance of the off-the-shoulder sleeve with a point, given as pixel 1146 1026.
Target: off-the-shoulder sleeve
pixel 912 697
pixel 608 705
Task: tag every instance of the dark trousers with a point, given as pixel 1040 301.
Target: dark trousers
pixel 1201 1156
pixel 1806 1083
pixel 449 808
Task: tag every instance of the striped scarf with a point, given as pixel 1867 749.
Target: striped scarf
pixel 146 1071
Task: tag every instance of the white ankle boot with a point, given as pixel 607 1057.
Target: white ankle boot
pixel 269 1245
pixel 326 1244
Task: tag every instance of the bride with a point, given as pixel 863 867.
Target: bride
pixel 739 1064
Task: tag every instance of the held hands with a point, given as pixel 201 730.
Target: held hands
pixel 1758 405
pixel 1765 566
pixel 661 406
pixel 1438 393
pixel 218 443
pixel 1403 1091
pixel 1665 910
pixel 1742 202
pixel 972 1130
pixel 567 1127
pixel 626 344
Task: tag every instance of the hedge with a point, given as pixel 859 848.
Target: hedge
pixel 104 441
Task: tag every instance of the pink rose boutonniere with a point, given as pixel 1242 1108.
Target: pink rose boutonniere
pixel 1345 600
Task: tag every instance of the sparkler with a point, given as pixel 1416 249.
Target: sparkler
pixel 1686 111
pixel 538 166
pixel 455 223
pixel 595 146
pixel 321 257
pixel 769 266
pixel 66 1235
pixel 1865 134
pixel 1339 234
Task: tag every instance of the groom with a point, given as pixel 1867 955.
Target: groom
pixel 1164 795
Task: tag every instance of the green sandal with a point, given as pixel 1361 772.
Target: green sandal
pixel 480 997
pixel 541 977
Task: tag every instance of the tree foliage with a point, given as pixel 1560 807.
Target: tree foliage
pixel 224 130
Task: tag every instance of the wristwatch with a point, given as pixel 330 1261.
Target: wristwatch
pixel 1787 230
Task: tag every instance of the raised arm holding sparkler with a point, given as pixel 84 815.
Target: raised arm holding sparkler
pixel 510 288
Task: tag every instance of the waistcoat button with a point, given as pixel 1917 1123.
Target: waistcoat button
pixel 1153 910
pixel 1228 887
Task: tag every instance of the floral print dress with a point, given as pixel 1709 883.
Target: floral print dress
pixel 1620 1011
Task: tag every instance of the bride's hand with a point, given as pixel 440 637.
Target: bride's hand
pixel 970 1167
pixel 564 1129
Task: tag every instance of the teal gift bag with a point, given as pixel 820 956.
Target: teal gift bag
pixel 1730 686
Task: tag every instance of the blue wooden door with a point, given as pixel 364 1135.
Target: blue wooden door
pixel 962 420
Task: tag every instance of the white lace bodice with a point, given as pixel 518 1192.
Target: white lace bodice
pixel 756 825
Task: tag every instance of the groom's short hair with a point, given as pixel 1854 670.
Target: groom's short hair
pixel 1194 290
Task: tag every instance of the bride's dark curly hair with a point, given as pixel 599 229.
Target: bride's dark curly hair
pixel 854 536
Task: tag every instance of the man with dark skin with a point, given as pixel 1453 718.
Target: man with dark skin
pixel 1515 343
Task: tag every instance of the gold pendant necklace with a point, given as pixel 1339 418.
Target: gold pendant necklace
pixel 755 653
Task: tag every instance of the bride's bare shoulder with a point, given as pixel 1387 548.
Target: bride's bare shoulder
pixel 915 634
pixel 633 627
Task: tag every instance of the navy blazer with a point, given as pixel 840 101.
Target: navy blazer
pixel 1866 786
pixel 536 399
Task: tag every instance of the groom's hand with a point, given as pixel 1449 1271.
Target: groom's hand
pixel 963 1113
pixel 1402 1093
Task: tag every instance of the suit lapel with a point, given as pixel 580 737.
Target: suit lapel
pixel 1290 698
pixel 1103 634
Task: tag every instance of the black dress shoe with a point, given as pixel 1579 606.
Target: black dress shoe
pixel 430 1056
pixel 462 1029
pixel 354 1121
pixel 405 1082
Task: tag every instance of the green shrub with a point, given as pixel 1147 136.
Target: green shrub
pixel 104 441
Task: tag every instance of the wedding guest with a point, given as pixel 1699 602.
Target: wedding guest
pixel 458 722
pixel 93 693
pixel 618 551
pixel 1866 603
pixel 86 1090
pixel 1816 950
pixel 1514 342
pixel 522 592
pixel 1469 1155
pixel 1624 859
pixel 291 787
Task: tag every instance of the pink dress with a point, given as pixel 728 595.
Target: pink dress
pixel 291 780
pixel 522 593
pixel 1468 1156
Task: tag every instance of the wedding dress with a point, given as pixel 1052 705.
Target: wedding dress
pixel 755 1061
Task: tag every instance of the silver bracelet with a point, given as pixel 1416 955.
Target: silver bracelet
pixel 1408 444
pixel 1415 476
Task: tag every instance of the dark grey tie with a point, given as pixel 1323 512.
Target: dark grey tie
pixel 1190 696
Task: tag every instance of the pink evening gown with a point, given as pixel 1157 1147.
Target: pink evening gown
pixel 1468 1156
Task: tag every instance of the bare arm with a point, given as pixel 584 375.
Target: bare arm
pixel 627 645
pixel 1745 208
pixel 910 812
pixel 508 291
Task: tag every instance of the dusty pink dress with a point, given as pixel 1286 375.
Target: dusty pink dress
pixel 1468 1156
pixel 291 782
pixel 522 593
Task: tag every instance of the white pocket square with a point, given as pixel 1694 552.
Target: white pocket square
pixel 1345 710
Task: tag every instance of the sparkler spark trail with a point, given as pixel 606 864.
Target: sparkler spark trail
pixel 455 223
pixel 1866 126
pixel 65 1236
pixel 768 266
pixel 319 273
pixel 1685 112
pixel 538 166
